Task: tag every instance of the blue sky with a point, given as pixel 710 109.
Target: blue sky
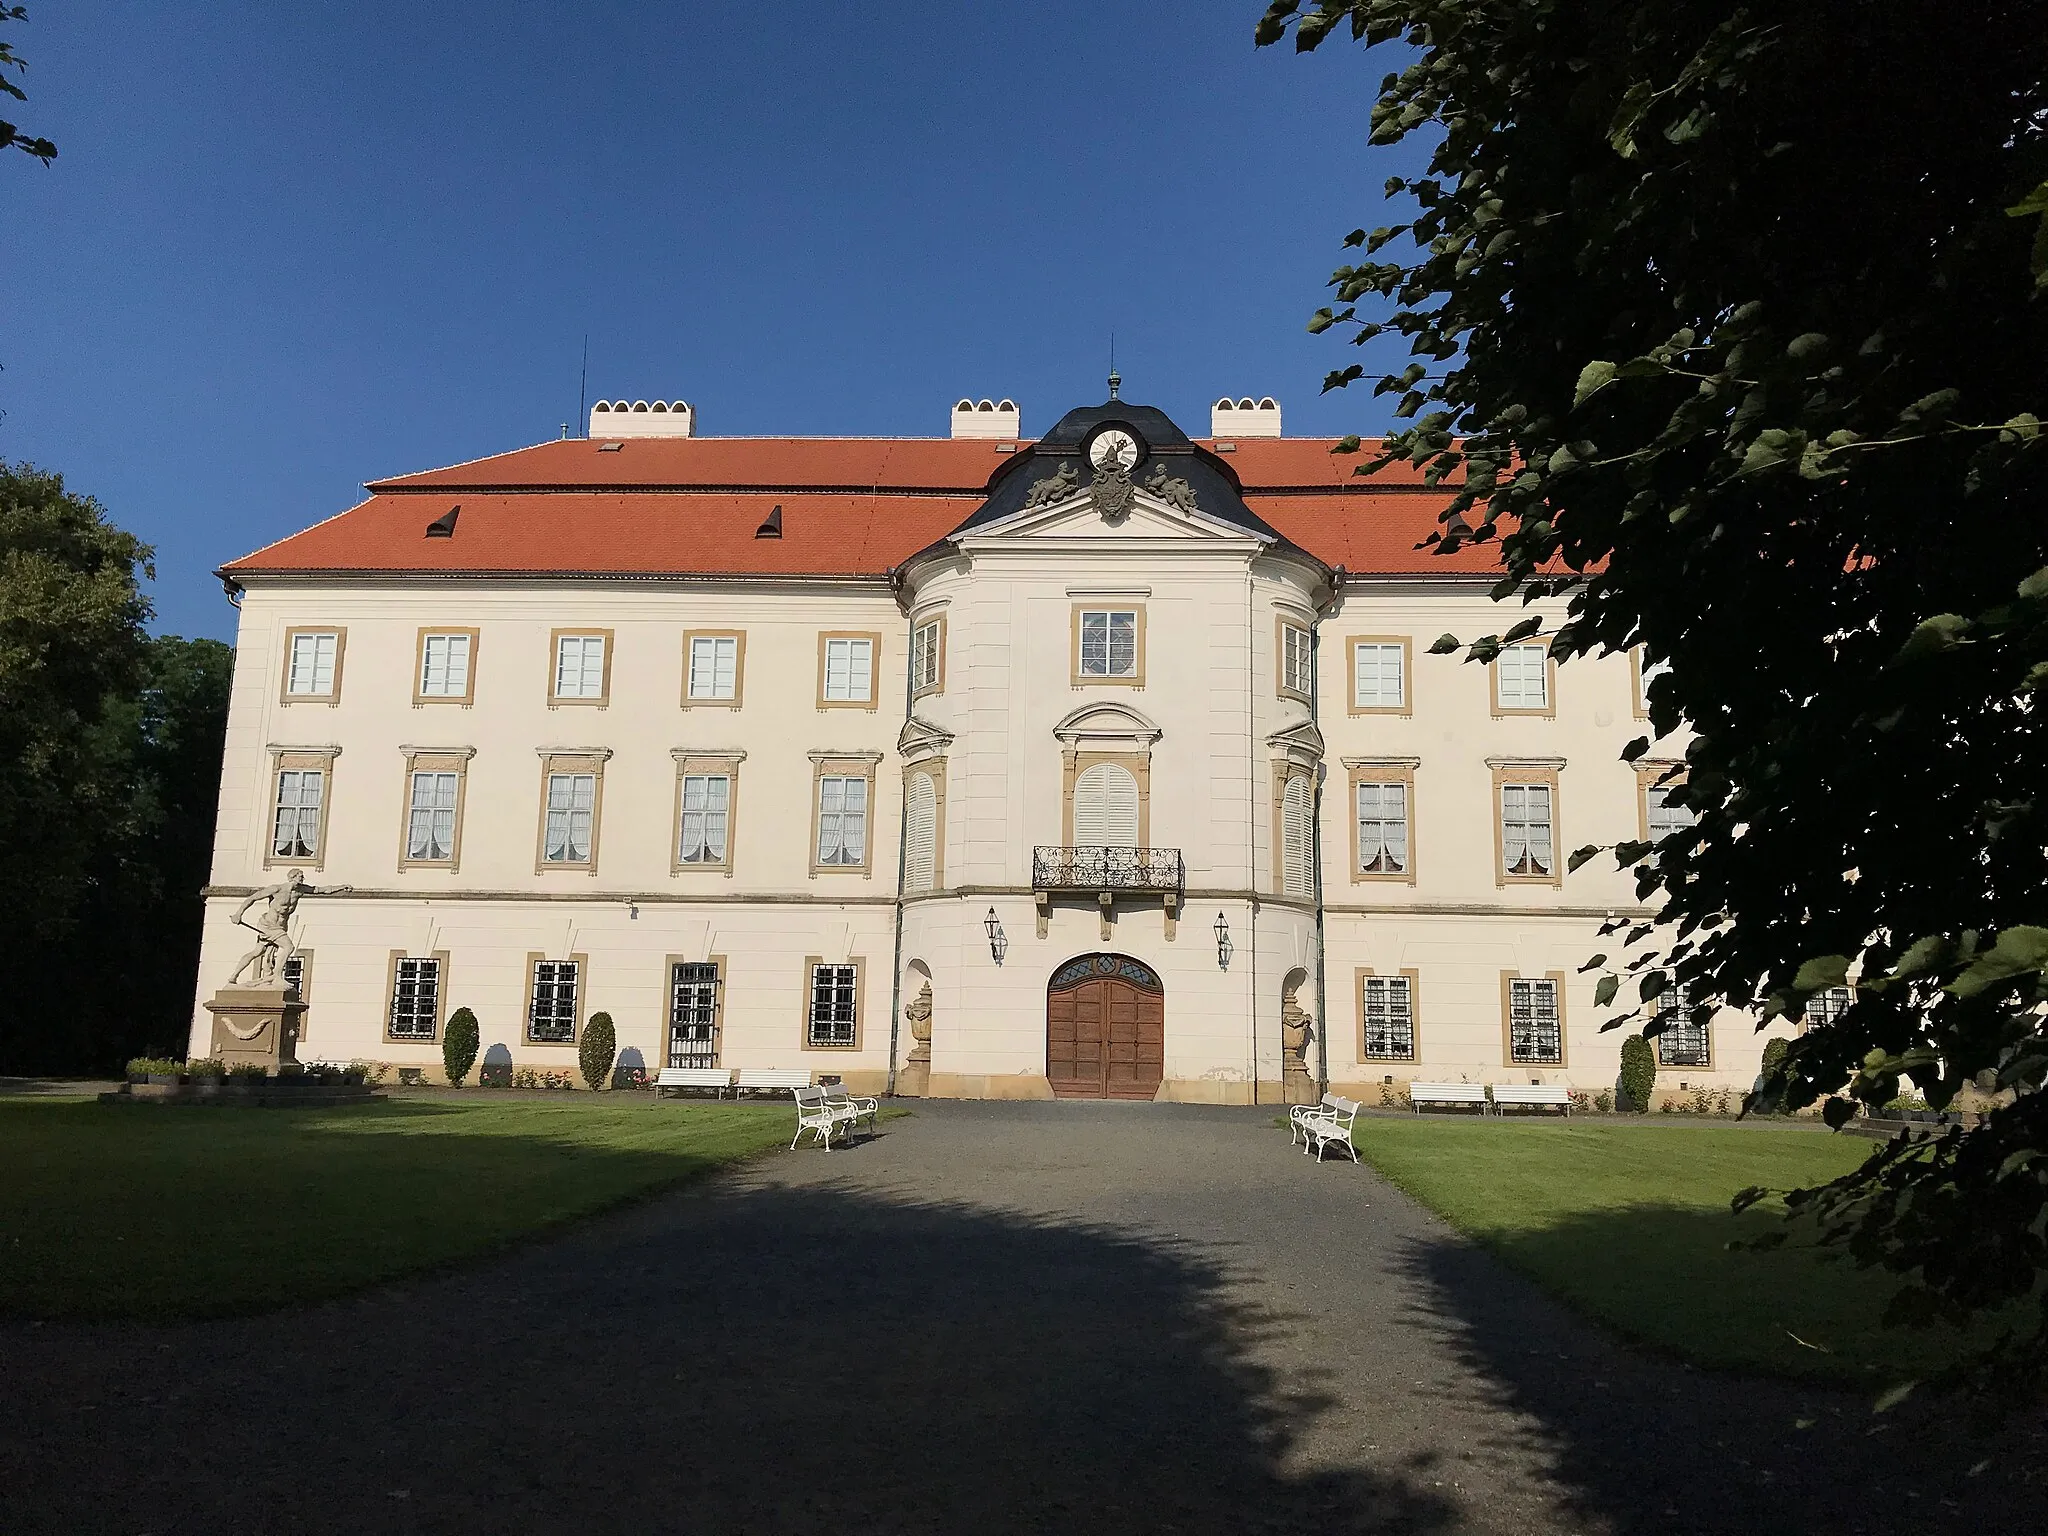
pixel 286 249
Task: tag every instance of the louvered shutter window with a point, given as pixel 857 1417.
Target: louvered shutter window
pixel 920 834
pixel 1106 807
pixel 1295 876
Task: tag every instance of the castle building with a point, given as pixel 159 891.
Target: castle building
pixel 1109 764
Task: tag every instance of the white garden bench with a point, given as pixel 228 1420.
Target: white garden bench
pixel 1531 1096
pixel 1420 1094
pixel 1302 1112
pixel 1330 1128
pixel 717 1079
pixel 868 1109
pixel 772 1079
pixel 822 1119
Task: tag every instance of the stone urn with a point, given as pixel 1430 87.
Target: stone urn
pixel 1297 1028
pixel 915 1077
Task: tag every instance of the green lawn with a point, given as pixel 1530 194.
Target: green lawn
pixel 1631 1224
pixel 160 1213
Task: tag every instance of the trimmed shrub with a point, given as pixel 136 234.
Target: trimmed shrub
pixel 460 1042
pixel 1769 1100
pixel 597 1050
pixel 1638 1072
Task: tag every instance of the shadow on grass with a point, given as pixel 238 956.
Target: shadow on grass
pixel 756 1358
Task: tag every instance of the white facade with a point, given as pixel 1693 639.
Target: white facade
pixel 1240 677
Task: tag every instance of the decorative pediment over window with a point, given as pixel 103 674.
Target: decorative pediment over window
pixel 1299 743
pixel 920 739
pixel 1103 722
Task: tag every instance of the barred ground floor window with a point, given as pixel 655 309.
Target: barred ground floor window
pixel 1535 1022
pixel 1387 1005
pixel 831 1018
pixel 692 1015
pixel 551 1011
pixel 415 997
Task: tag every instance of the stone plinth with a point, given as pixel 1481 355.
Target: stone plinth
pixel 1297 1087
pixel 258 1025
pixel 913 1079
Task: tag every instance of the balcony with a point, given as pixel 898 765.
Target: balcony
pixel 1104 869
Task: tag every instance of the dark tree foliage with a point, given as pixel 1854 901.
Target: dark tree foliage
pixel 460 1042
pixel 41 148
pixel 1729 325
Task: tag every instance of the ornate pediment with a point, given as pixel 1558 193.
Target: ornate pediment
pixel 1106 720
pixel 920 739
pixel 1300 743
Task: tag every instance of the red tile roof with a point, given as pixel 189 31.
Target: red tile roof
pixel 850 507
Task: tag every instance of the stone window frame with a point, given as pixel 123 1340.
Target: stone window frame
pixel 582 963
pixel 843 765
pixel 1548 711
pixel 391 996
pixel 874 639
pixel 1285 771
pixel 453 760
pixel 1080 679
pixel 1282 623
pixel 1380 770
pixel 420 697
pixel 1359 977
pixel 668 1003
pixel 1526 771
pixel 555 639
pixel 1507 1044
pixel 1707 1029
pixel 332 697
pixel 299 759
pixel 555 760
pixel 937 623
pixel 1407 705
pixel 1074 762
pixel 860 1009
pixel 707 762
pixel 739 667
pixel 1651 775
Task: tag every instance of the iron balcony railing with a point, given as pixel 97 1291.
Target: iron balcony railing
pixel 1105 869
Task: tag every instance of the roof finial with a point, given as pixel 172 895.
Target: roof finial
pixel 1115 378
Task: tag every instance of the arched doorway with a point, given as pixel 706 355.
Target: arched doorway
pixel 1105 1029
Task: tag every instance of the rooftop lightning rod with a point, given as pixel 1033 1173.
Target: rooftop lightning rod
pixel 582 385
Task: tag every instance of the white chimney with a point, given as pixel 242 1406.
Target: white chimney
pixel 985 418
pixel 615 419
pixel 1245 418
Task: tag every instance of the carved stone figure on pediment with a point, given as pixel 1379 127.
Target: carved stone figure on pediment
pixel 1053 487
pixel 1171 489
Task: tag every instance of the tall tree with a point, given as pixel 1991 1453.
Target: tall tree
pixel 33 144
pixel 1728 323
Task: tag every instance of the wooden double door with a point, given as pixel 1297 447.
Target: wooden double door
pixel 1105 1029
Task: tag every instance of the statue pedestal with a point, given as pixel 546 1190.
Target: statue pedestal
pixel 913 1079
pixel 255 1025
pixel 1297 1087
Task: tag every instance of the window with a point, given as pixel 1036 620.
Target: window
pixel 1297 850
pixel 1527 851
pixel 1382 828
pixel 847 669
pixel 706 807
pixel 1379 676
pixel 842 820
pixel 692 1014
pixel 294 976
pixel 1645 674
pixel 1105 807
pixel 445 664
pixel 295 833
pixel 551 1011
pixel 1823 1008
pixel 1684 1041
pixel 928 657
pixel 312 664
pixel 834 1007
pixel 714 669
pixel 1387 1010
pixel 415 997
pixel 921 834
pixel 1297 660
pixel 571 818
pixel 1535 1026
pixel 1108 643
pixel 582 669
pixel 1521 679
pixel 430 828
pixel 1660 817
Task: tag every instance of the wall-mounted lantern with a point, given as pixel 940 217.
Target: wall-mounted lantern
pixel 997 943
pixel 1222 942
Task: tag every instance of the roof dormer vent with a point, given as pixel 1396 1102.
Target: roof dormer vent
pixel 1245 418
pixel 771 525
pixel 643 418
pixel 985 418
pixel 443 527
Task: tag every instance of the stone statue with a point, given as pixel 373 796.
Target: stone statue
pixel 1053 487
pixel 1297 1028
pixel 1171 489
pixel 272 926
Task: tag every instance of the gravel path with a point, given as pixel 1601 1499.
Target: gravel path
pixel 991 1318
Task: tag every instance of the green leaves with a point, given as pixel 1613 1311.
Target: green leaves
pixel 1821 973
pixel 2021 950
pixel 1604 990
pixel 1444 645
pixel 1593 378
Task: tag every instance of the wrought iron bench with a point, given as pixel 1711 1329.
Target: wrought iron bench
pixel 1302 1112
pixel 822 1119
pixel 863 1108
pixel 1469 1094
pixel 1531 1096
pixel 1332 1129
pixel 717 1079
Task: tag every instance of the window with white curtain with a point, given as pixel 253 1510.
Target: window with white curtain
pixel 579 666
pixel 430 826
pixel 1664 818
pixel 707 807
pixel 842 819
pixel 714 666
pixel 1297 849
pixel 1526 840
pixel 1379 675
pixel 849 671
pixel 571 818
pixel 295 831
pixel 1383 829
pixel 1106 807
pixel 921 834
pixel 1521 676
pixel 444 667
